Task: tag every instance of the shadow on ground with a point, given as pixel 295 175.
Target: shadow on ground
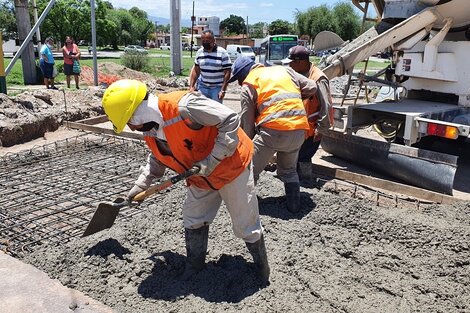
pixel 229 279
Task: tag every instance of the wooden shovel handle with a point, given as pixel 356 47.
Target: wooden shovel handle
pixel 165 184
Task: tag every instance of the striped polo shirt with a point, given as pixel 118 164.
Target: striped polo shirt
pixel 212 66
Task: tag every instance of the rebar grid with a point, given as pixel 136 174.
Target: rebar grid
pixel 50 193
pixel 373 195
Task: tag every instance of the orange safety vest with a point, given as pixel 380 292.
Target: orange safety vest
pixel 279 104
pixel 313 105
pixel 189 146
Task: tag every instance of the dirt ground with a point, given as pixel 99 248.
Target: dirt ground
pixel 339 254
pixel 35 110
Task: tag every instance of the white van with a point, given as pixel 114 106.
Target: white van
pixel 234 51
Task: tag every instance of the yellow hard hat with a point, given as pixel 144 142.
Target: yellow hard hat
pixel 120 101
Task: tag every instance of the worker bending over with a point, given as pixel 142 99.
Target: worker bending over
pixel 273 115
pixel 183 130
pixel 319 107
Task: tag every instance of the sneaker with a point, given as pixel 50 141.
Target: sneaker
pixel 54 87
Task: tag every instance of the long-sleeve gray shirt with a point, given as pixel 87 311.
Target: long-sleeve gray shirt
pixel 201 111
pixel 324 97
pixel 249 97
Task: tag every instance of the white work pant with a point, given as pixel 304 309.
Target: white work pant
pixel 201 206
pixel 286 145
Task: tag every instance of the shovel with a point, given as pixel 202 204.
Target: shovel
pixel 106 213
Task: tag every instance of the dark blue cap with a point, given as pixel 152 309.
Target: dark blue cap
pixel 240 68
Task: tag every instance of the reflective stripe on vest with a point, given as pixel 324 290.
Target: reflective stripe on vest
pixel 276 98
pixel 279 102
pixel 191 145
pixel 282 114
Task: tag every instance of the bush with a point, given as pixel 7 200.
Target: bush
pixel 135 60
pixel 59 66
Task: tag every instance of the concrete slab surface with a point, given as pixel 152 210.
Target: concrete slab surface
pixel 24 289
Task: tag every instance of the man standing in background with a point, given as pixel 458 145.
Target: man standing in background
pixel 211 70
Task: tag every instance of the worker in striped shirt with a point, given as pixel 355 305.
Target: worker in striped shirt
pixel 211 70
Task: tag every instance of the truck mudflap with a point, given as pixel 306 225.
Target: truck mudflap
pixel 422 168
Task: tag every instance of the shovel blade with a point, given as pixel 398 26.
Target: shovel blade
pixel 104 216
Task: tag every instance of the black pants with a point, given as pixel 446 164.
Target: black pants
pixel 308 149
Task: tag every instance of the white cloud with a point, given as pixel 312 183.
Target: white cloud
pixel 265 4
pixel 161 8
pixel 266 11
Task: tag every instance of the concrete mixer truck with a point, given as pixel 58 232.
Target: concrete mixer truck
pixel 425 94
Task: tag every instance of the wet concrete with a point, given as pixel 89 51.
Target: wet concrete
pixel 25 289
pixel 337 255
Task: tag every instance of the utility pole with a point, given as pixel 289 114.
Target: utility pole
pixel 175 36
pixel 3 81
pixel 27 40
pixel 24 27
pixel 38 32
pixel 193 19
pixel 247 33
pixel 157 45
pixel 93 43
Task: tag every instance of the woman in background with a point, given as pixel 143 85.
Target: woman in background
pixel 71 54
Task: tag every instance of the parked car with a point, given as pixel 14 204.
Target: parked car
pixel 235 51
pixel 195 48
pixel 135 48
pixel 164 47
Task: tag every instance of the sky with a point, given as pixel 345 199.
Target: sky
pixel 257 11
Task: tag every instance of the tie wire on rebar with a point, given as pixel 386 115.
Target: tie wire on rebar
pixel 50 192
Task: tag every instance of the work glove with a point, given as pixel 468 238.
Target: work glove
pixel 153 169
pixel 133 192
pixel 207 166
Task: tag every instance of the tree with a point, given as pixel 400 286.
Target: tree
pixel 138 13
pixel 347 21
pixel 257 30
pixel 341 19
pixel 164 28
pixel 7 20
pixel 113 26
pixel 315 20
pixel 279 27
pixel 71 18
pixel 234 24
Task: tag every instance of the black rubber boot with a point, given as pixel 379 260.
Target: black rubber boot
pixel 292 196
pixel 258 252
pixel 196 250
pixel 304 170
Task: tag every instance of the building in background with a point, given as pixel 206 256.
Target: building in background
pixel 207 23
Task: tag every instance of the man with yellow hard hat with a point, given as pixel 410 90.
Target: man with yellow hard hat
pixel 182 130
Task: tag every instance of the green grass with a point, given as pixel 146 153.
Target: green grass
pixel 157 66
pixel 371 65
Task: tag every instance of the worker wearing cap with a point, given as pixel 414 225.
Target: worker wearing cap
pixel 272 113
pixel 184 130
pixel 319 107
